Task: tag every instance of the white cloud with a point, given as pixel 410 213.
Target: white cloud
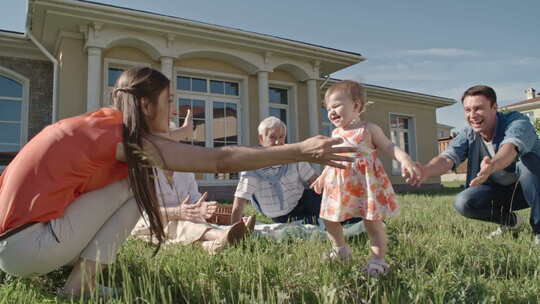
pixel 527 61
pixel 439 52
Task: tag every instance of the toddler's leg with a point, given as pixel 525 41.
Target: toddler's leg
pixel 335 233
pixel 340 249
pixel 378 239
pixel 379 242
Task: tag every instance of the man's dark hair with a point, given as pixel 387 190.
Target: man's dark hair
pixel 483 90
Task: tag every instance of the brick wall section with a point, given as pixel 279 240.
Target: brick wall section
pixel 40 74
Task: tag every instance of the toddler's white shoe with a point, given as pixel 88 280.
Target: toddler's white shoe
pixel 341 254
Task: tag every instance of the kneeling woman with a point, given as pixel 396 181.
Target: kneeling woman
pixel 75 191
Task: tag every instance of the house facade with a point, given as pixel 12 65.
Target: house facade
pixel 444 131
pixel 73 51
pixel 530 106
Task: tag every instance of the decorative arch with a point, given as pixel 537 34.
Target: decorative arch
pixel 297 71
pixel 242 63
pixel 137 43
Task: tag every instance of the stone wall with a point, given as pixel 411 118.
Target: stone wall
pixel 40 74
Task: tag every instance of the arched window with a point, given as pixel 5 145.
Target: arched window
pixel 12 113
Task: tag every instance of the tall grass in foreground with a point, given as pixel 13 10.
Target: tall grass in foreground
pixel 436 255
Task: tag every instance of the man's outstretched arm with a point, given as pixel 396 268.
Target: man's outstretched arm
pixel 435 167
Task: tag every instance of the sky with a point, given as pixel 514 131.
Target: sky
pixel 433 47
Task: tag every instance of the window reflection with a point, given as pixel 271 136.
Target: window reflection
pixel 113 75
pixel 11 102
pixel 278 96
pixel 10 110
pixel 222 118
pixel 10 88
pixel 279 113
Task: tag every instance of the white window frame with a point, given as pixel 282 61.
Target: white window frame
pixel 413 148
pixel 119 64
pixel 291 107
pixel 25 82
pixel 241 101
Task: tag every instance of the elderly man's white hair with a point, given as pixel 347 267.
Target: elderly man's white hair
pixel 270 123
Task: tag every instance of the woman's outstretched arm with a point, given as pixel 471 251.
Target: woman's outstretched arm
pixel 182 157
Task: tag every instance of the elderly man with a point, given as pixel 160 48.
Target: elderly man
pixel 280 192
pixel 503 175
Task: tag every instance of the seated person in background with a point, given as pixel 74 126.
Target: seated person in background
pixel 186 220
pixel 185 210
pixel 280 192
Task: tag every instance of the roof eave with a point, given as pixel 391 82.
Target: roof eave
pixel 156 20
pixel 374 90
pixel 522 106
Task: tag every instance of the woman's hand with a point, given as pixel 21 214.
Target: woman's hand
pixel 321 149
pixel 188 121
pixel 198 212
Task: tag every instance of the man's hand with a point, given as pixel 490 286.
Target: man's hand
pixel 418 178
pixel 486 169
pixel 410 171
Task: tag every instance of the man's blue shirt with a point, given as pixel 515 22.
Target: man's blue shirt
pixel 512 127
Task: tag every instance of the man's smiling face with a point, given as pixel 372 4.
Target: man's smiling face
pixel 480 114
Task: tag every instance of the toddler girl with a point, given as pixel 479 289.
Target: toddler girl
pixel 362 189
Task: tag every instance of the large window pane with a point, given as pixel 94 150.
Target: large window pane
pixel 183 83
pixel 10 88
pixel 199 133
pixel 231 88
pixel 404 141
pixel 219 123
pixel 183 106
pixel 279 113
pixel 278 96
pixel 10 133
pixel 198 109
pixel 10 110
pixel 216 87
pixel 113 75
pixel 393 121
pixel 198 85
pixel 402 135
pixel 403 122
pixel 224 176
pixel 9 148
pixel 231 115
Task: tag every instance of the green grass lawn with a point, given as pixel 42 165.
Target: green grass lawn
pixel 436 255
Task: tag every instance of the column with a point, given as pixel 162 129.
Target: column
pixel 167 67
pixel 313 107
pixel 264 106
pixel 93 89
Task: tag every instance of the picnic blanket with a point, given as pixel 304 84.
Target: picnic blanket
pixel 297 230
